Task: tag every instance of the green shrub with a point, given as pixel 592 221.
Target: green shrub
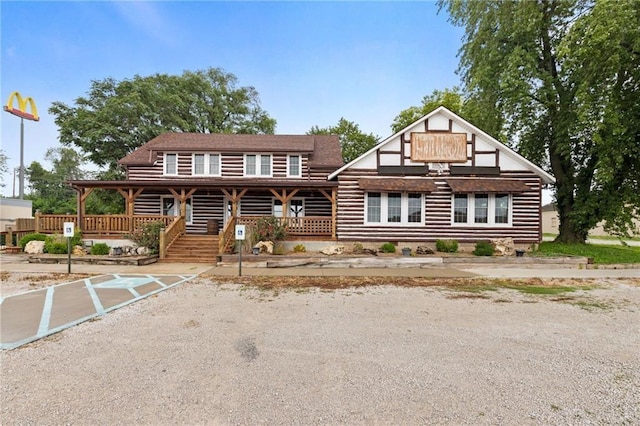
pixel 447 246
pixel 31 237
pixel 148 235
pixel 358 248
pixel 100 249
pixel 55 244
pixel 299 248
pixel 388 248
pixel 483 248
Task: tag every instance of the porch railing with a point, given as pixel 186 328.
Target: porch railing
pixel 114 224
pixel 297 226
pixel 170 234
pixel 227 237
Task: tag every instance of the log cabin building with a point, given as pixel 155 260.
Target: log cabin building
pixel 439 178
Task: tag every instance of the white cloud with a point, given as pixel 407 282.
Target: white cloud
pixel 147 17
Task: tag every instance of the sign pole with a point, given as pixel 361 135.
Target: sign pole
pixel 68 255
pixel 240 260
pixel 68 231
pixel 21 184
pixel 240 235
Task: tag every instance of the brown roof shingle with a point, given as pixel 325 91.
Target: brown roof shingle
pixel 400 185
pixel 323 150
pixel 487 185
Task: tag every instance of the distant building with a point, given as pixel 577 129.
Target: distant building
pixel 12 209
pixel 551 221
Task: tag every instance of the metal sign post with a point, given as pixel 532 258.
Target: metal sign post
pixel 240 233
pixel 68 232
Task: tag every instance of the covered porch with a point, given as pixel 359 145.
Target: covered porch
pixel 205 207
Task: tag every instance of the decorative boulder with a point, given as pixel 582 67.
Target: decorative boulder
pixel 78 251
pixel 34 247
pixel 141 251
pixel 265 247
pixel 424 250
pixel 331 250
pixel 503 246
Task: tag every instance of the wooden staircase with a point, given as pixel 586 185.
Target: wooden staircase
pixel 193 249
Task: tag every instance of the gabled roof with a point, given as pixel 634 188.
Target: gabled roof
pixel 546 177
pixel 323 150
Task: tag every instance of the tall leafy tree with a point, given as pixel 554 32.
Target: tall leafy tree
pixel 563 76
pixel 49 192
pixel 116 117
pixel 3 167
pixel 452 99
pixel 353 141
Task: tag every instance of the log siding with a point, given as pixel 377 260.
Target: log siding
pixel 524 212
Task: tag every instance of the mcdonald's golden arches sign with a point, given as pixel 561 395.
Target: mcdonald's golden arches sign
pixel 21 111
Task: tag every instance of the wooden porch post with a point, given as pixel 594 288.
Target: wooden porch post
pixel 235 198
pixel 284 199
pixel 183 197
pixel 130 198
pixel 334 210
pixel 83 193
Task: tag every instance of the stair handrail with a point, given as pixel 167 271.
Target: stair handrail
pixel 227 236
pixel 171 233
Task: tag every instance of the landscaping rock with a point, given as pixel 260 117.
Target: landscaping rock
pixel 424 250
pixel 265 247
pixel 79 251
pixel 34 247
pixel 332 250
pixel 503 246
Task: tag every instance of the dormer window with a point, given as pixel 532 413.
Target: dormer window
pixel 257 165
pixel 171 164
pixel 293 166
pixel 206 165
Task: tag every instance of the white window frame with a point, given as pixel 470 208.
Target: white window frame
pixel 164 164
pixel 176 207
pixel 404 209
pixel 471 214
pixel 289 174
pixel 258 165
pixel 206 165
pixel 280 214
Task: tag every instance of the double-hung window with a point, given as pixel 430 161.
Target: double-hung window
pixel 206 164
pixel 481 209
pixel 294 168
pixel 171 164
pixel 257 165
pixel 394 208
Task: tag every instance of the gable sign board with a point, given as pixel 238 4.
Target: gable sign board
pixel 439 147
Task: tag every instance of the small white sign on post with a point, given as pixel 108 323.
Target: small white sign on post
pixel 68 229
pixel 240 232
pixel 67 232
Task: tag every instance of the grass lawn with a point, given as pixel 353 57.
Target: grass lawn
pixel 598 252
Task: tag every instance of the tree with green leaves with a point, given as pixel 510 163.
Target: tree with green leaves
pixel 116 117
pixel 562 77
pixel 49 192
pixel 353 141
pixel 3 167
pixel 452 99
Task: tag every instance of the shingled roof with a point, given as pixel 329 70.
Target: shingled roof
pixel 323 150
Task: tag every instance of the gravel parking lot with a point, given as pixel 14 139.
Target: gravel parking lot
pixel 203 353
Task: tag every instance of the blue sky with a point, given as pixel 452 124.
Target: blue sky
pixel 311 62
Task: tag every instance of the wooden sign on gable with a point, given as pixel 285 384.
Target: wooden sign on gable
pixel 439 147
